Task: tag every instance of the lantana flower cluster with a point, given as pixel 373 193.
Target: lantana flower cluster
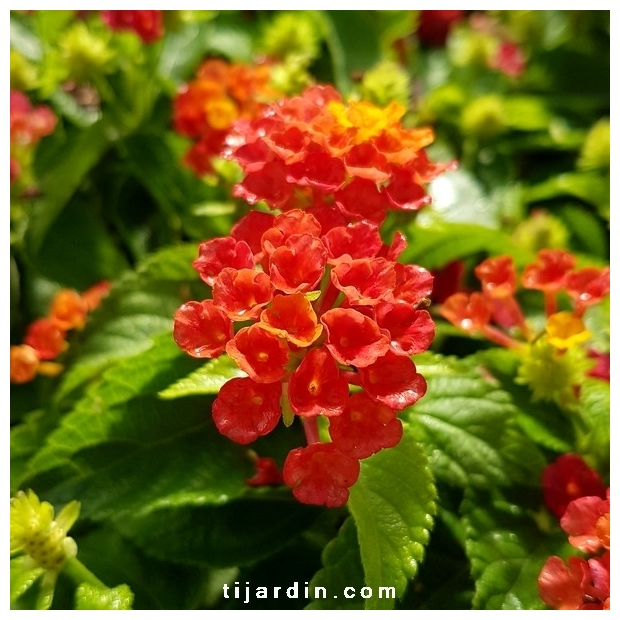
pixel 205 108
pixel 315 150
pixel 555 359
pixel 577 496
pixel 323 321
pixel 29 123
pixel 46 338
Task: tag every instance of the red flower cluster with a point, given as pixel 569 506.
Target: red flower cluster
pixel 148 25
pixel 45 338
pixel 28 125
pixel 323 321
pixel 553 274
pixel 205 108
pixel 583 583
pixel 315 149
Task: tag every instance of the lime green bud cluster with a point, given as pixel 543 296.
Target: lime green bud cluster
pixel 386 82
pixel 36 533
pixel 551 374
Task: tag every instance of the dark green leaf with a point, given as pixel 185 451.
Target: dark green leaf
pixel 469 426
pixel 237 533
pixel 342 568
pixel 508 548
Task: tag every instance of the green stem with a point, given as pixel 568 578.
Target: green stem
pixel 78 573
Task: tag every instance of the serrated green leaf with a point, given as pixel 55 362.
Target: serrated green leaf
pixel 543 422
pixel 23 577
pixel 470 428
pixel 208 379
pixel 103 414
pixel 595 409
pixel 507 549
pixel 342 568
pixel 393 504
pixel 237 533
pixel 192 468
pixel 88 596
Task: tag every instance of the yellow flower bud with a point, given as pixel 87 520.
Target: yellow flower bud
pixel 36 533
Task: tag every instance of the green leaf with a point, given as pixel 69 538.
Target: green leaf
pixel 526 113
pixel 543 422
pixel 435 245
pixel 103 414
pixel 61 170
pixel 470 428
pixel 238 533
pixel 595 409
pixel 342 568
pixel 192 468
pixel 393 504
pixel 507 549
pixel 171 263
pixel 94 257
pixel 23 576
pixel 124 326
pixel 88 596
pixel 208 379
pixel 116 560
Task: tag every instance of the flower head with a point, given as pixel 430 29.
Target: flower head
pixel 36 533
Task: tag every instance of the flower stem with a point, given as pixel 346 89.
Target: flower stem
pixel 78 573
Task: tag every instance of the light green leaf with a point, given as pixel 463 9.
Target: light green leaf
pixel 393 504
pixel 208 379
pixel 22 577
pixel 88 596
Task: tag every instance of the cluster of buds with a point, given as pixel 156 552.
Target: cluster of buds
pixel 317 151
pixel 553 360
pixel 205 108
pixel 323 322
pixel 28 125
pixel 148 25
pixel 577 497
pixel 46 338
pixel 39 536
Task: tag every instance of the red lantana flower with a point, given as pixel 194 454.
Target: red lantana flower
pixel 586 521
pixel 148 25
pixel 315 148
pixel 307 310
pixel 566 479
pixel 321 474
